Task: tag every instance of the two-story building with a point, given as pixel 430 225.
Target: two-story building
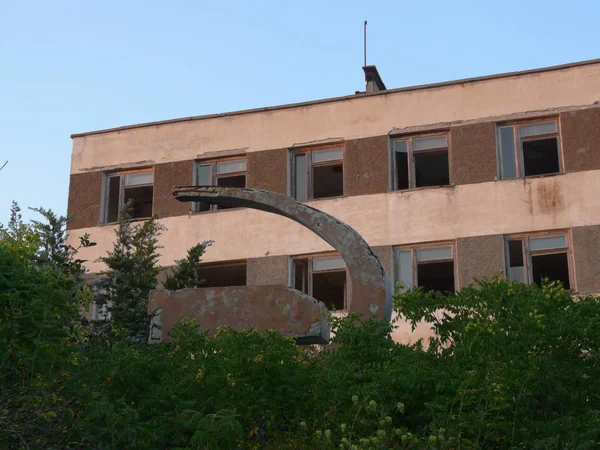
pixel 447 182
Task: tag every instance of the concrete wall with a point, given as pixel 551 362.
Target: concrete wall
pixel 394 218
pixel 478 257
pixel 267 270
pixel 586 243
pixel 344 119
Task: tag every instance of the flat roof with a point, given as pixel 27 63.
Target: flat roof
pixel 343 98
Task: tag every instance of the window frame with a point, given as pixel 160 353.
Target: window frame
pixel 518 145
pixel 105 197
pixel 310 271
pixel 214 176
pixel 528 253
pixel 414 249
pixel 308 151
pixel 409 138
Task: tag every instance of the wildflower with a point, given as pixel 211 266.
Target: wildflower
pixel 328 434
pixel 381 434
pixel 388 420
pixel 432 439
pixel 343 427
pixel 303 424
pixel 355 399
pixel 400 407
pixel 318 434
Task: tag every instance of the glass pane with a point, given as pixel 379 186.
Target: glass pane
pixel 403 268
pixel 433 254
pixel 516 266
pixel 534 129
pixel 112 205
pixel 135 179
pixel 430 142
pixel 300 193
pixel 204 175
pixel 437 276
pixel 329 263
pixel 231 166
pixel 547 243
pixel 301 275
pixel 555 267
pixel 508 166
pixel 334 154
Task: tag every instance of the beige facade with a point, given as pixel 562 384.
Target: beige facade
pixel 480 215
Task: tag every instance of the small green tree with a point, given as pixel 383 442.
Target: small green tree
pixel 185 273
pixel 20 238
pixel 132 269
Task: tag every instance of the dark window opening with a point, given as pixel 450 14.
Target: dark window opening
pixel 431 168
pixel 237 181
pixel 436 276
pixel 221 275
pixel 328 181
pixel 555 267
pixel 402 170
pixel 114 192
pixel 330 288
pixel 540 157
pixel 141 199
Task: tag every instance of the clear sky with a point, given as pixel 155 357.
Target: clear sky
pixel 74 66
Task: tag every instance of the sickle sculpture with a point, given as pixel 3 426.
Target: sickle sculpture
pixel 371 290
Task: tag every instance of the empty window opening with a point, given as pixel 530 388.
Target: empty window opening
pixel 222 173
pixel 136 188
pixel 528 149
pixel 531 260
pixel 318 174
pixel 221 275
pixel 421 162
pixel 324 278
pixel 431 268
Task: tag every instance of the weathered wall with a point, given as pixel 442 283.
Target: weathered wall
pixel 473 153
pixel 394 218
pixel 586 243
pixel 166 177
pixel 267 270
pixel 84 200
pixel 345 119
pixel 268 170
pixel 581 139
pixel 366 166
pixel 384 253
pixel 478 257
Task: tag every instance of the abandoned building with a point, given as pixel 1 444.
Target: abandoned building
pixel 447 182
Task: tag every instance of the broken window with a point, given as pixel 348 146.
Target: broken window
pixel 429 267
pixel 223 274
pixel 223 173
pixel 420 162
pixel 528 149
pixel 323 278
pixel 532 259
pixel 318 174
pixel 124 187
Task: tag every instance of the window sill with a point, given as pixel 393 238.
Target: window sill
pixel 528 177
pixel 201 213
pixel 322 198
pixel 423 188
pixel 137 219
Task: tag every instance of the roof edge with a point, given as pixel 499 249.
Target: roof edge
pixel 343 98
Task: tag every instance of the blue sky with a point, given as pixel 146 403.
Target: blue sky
pixel 74 66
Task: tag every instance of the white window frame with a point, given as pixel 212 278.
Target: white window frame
pixel 105 197
pixel 518 146
pixel 411 159
pixel 308 152
pixel 214 176
pixel 414 255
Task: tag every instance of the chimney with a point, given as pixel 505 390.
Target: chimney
pixel 373 80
